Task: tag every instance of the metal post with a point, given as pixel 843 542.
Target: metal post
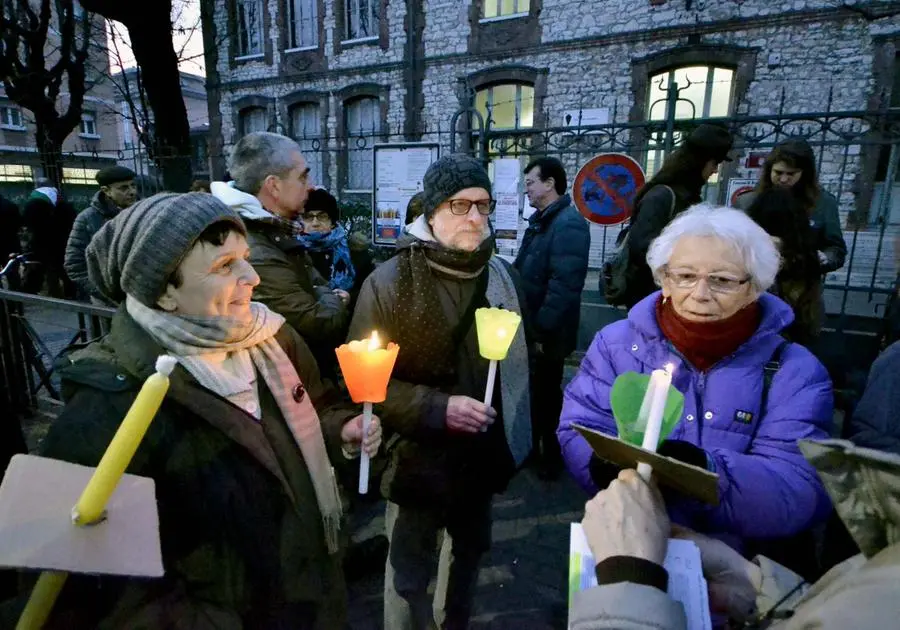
pixel 671 105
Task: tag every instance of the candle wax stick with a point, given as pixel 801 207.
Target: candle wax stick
pixel 364 457
pixel 658 391
pixel 41 602
pixel 125 442
pixel 492 378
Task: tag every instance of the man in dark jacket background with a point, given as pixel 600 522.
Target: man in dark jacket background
pixel 553 263
pixel 117 191
pixel 47 219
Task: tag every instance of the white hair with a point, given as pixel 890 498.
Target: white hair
pixel 258 155
pixel 755 247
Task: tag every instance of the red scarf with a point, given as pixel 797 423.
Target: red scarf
pixel 704 344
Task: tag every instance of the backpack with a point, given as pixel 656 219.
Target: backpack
pixel 617 273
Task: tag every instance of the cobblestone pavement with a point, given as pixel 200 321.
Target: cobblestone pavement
pixel 523 580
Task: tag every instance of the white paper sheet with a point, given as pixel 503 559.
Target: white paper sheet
pixel 686 582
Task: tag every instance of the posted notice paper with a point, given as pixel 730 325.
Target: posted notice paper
pixel 686 582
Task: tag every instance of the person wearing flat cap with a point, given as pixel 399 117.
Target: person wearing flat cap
pixel 117 191
pixel 452 452
pixel 241 450
pixel 677 186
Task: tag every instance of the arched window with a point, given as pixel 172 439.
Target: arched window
pixel 703 92
pixel 506 105
pixel 253 119
pixel 362 120
pixel 306 129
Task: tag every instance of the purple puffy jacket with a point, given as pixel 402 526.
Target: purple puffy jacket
pixel 766 487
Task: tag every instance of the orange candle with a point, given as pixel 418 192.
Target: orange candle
pixel 367 368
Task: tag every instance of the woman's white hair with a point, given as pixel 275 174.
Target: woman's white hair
pixel 752 243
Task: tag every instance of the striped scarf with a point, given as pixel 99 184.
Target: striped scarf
pixel 188 338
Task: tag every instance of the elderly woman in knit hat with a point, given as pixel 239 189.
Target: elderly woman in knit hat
pixel 453 453
pixel 241 449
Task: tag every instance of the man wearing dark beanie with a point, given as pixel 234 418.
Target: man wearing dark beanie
pixel 117 191
pixel 454 452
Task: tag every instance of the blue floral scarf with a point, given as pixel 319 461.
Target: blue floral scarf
pixel 343 274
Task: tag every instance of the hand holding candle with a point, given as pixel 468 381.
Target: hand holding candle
pixel 651 413
pixel 367 368
pixel 496 328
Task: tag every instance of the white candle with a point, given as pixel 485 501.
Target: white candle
pixel 651 415
pixel 364 457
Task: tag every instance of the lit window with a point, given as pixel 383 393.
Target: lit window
pixel 306 130
pixel 89 125
pixel 11 118
pixel 253 119
pixel 703 92
pixel 250 27
pixel 15 173
pixel 303 21
pixel 363 120
pixel 83 176
pixel 507 106
pixel 503 8
pixel 362 18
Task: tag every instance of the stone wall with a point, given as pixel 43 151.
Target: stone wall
pixel 792 56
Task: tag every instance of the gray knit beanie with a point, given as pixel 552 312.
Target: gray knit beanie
pixel 136 252
pixel 448 176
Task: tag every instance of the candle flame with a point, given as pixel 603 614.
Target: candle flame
pixel 374 341
pixel 669 368
pixel 501 332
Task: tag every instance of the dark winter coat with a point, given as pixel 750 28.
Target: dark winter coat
pixel 825 222
pixel 87 223
pixel 653 213
pixel 552 264
pixel 10 221
pixel 875 422
pixel 242 537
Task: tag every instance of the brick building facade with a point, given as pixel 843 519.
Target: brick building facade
pixel 339 75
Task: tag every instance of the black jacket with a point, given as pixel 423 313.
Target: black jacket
pixel 552 263
pixel 653 213
pixel 87 223
pixel 242 538
pixel 10 221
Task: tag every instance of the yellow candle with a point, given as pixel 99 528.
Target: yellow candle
pixel 41 601
pixel 125 442
pixel 496 329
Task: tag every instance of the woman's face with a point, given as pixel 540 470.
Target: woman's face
pixel 216 281
pixel 317 222
pixel 785 176
pixel 462 232
pixel 706 279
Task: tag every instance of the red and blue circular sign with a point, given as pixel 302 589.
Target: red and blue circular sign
pixel 605 188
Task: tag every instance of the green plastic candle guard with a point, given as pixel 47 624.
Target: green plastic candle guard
pixel 626 397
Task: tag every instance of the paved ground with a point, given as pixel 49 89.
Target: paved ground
pixel 523 581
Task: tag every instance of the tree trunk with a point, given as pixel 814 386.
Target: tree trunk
pixel 50 152
pixel 162 81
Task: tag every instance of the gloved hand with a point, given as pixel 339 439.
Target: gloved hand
pixel 602 472
pixel 684 452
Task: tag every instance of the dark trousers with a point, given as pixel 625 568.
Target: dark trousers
pixel 546 405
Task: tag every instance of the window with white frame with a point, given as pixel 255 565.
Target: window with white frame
pixel 303 24
pixel 11 118
pixel 363 124
pixel 505 8
pixel 89 125
pixel 15 173
pixel 306 129
pixel 249 28
pixel 362 18
pixel 506 105
pixel 703 92
pixel 253 119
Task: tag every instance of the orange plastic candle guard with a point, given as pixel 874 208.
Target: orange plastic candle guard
pixel 367 368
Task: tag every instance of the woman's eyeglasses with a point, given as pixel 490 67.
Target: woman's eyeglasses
pixel 461 207
pixel 716 282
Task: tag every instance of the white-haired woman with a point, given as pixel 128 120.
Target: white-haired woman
pixel 749 394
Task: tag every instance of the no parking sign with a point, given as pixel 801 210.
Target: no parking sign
pixel 605 188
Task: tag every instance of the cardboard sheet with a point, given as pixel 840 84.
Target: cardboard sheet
pixel 690 480
pixel 36 530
